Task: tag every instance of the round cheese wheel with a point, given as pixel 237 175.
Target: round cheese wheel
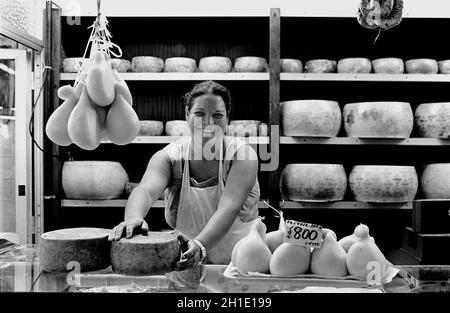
pixel 291 66
pixel 388 66
pixel 313 182
pixel 179 64
pixel 215 64
pixel 320 66
pixel 421 66
pixel 433 119
pixel 382 119
pixel 87 246
pixel 177 128
pixel 435 181
pixel 151 128
pixel 354 66
pixel 153 254
pixel 243 128
pixel 147 64
pixel 383 183
pixel 250 64
pixel 121 65
pixel 311 118
pixel 73 65
pixel 444 67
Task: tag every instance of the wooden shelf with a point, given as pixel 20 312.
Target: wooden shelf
pixel 169 139
pixel 344 205
pixel 364 141
pixel 117 203
pixel 183 76
pixel 365 77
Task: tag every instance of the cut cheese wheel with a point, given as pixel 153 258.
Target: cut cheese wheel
pixel 421 66
pixel 388 66
pixel 291 66
pixel 250 64
pixel 153 254
pixel 320 66
pixel 444 67
pixel 87 246
pixel 121 65
pixel 354 66
pixel 178 64
pixel 147 64
pixel 215 64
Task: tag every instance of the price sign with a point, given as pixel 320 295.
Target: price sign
pixel 303 234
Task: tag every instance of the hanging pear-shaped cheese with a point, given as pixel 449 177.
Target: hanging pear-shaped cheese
pixel 289 259
pixel 101 113
pixel 84 125
pixel 329 259
pixel 56 127
pixel 100 80
pixel 276 237
pixel 122 87
pixel 122 122
pixel 251 254
pixel 363 251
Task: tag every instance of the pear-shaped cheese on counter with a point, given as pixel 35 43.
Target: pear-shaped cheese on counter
pixel 276 237
pixel 289 259
pixel 56 127
pixel 122 122
pixel 100 80
pixel 251 254
pixel 363 251
pixel 347 241
pixel 325 231
pixel 83 125
pixel 329 259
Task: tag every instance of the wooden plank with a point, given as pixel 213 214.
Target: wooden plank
pixel 274 98
pixel 169 139
pixel 364 141
pixel 344 205
pixel 365 77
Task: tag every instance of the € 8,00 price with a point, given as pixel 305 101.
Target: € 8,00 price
pixel 303 234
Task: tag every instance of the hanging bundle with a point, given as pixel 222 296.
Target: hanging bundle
pixel 379 14
pixel 99 105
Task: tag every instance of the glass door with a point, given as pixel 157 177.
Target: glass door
pixel 15 161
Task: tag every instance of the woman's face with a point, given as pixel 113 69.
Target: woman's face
pixel 207 110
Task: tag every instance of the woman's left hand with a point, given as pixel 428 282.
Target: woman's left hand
pixel 191 255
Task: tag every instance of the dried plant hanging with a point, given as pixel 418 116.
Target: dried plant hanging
pixel 379 15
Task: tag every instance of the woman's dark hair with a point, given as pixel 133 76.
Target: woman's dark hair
pixel 208 88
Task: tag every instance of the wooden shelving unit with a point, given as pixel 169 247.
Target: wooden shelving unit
pixel 344 205
pixel 346 141
pixel 169 139
pixel 372 77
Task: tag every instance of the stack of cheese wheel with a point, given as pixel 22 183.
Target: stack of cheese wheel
pixel 177 128
pixel 433 119
pixel 354 66
pixel 147 64
pixel 384 119
pixel 153 254
pixel 313 182
pixel 215 64
pixel 435 181
pixel 310 118
pixel 383 183
pixel 89 247
pixel 321 66
pixel 250 64
pixel 180 64
pixel 421 66
pixel 388 66
pixel 96 180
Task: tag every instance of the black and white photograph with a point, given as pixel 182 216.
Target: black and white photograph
pixel 224 155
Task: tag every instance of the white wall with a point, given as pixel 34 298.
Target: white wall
pixel 412 8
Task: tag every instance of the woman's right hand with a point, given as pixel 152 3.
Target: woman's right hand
pixel 127 227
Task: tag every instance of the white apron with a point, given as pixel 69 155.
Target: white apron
pixel 196 207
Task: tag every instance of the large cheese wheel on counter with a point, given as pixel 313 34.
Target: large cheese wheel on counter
pixel 444 67
pixel 180 64
pixel 433 119
pixel 354 66
pixel 87 246
pixel 250 64
pixel 310 118
pixel 321 66
pixel 147 64
pixel 215 64
pixel 388 66
pixel 435 181
pixel 421 66
pixel 313 182
pixel 383 183
pixel 382 119
pixel 154 254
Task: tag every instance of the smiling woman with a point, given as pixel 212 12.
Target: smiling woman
pixel 211 201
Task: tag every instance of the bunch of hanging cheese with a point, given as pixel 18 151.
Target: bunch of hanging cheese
pixel 98 109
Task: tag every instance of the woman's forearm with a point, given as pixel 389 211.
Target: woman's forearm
pixel 139 203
